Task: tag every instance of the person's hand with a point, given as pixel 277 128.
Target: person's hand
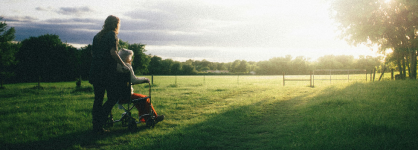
pixel 146 80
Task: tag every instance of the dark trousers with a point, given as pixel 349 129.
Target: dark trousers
pixel 101 111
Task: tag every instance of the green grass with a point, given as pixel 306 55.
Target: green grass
pixel 221 112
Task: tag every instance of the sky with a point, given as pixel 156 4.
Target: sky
pixel 215 30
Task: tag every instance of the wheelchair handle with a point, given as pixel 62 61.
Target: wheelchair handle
pixel 149 95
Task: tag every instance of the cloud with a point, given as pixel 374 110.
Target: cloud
pixel 14 19
pixel 43 9
pixel 74 11
pixel 72 30
pixel 203 23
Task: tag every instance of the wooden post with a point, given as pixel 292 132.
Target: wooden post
pixel 313 78
pixel 175 79
pixel 283 79
pixel 152 79
pixel 374 73
pixel 348 72
pixel 310 78
pixel 391 74
pixel 330 76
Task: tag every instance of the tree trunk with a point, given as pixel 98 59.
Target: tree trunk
pixel 398 60
pixel 413 65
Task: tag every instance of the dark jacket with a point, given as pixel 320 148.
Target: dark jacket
pixel 103 66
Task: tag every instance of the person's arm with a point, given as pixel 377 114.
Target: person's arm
pixel 135 79
pixel 115 56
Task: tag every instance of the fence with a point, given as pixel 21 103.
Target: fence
pixel 319 74
pixel 338 74
pixel 297 79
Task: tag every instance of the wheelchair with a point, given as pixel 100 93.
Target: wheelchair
pixel 127 104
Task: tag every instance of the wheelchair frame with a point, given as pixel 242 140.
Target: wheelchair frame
pixel 127 119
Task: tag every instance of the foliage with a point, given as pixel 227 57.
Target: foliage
pixel 46 58
pixel 140 59
pixel 387 24
pixel 7 51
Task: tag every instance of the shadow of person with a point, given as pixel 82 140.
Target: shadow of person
pixel 84 139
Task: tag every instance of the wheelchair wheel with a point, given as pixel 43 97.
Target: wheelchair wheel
pixel 132 124
pixel 150 123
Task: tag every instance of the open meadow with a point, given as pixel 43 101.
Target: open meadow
pixel 220 112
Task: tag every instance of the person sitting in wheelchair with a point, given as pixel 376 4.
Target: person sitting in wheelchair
pixel 126 56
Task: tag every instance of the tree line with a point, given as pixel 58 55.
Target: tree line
pixel 47 59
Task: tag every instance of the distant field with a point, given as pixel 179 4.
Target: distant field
pixel 221 112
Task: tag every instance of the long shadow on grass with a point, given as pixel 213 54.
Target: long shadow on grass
pixel 347 118
pixel 84 139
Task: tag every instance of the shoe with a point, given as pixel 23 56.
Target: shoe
pixel 159 118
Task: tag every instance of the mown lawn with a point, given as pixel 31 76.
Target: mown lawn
pixel 220 112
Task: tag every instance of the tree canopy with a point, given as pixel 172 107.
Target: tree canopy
pixel 7 51
pixel 387 24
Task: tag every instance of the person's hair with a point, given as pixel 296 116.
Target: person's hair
pixel 126 54
pixel 111 24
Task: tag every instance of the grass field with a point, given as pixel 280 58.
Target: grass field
pixel 220 112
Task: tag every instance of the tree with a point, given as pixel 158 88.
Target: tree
pixel 46 58
pixel 221 66
pixel 140 59
pixel 329 62
pixel 367 62
pixel 299 65
pixel 234 66
pixel 176 68
pixel 155 66
pixel 387 24
pixel 85 61
pixel 166 65
pixel 188 69
pixel 7 51
pixel 242 67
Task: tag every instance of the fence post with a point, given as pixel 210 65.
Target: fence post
pixel 313 77
pixel 175 79
pixel 283 79
pixel 152 79
pixel 348 72
pixel 391 74
pixel 310 78
pixel 330 76
pixel 374 74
